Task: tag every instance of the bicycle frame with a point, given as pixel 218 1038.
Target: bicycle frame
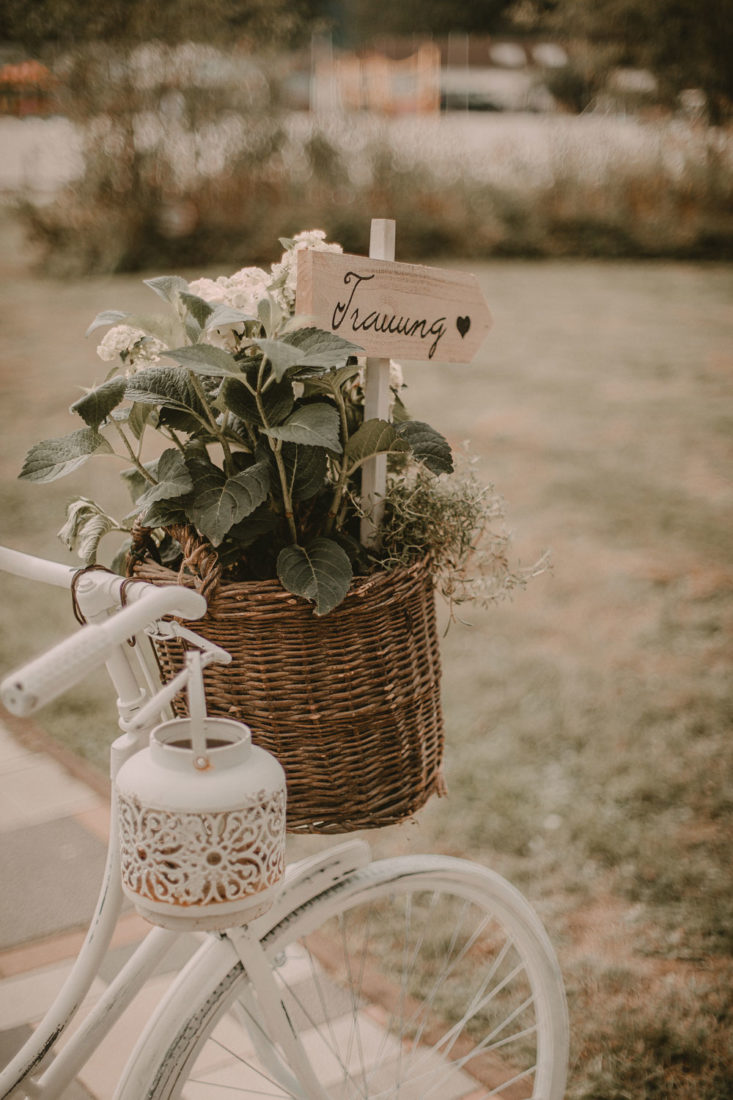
pixel 131 672
pixel 35 1071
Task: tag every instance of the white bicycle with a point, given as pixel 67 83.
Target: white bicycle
pixel 415 977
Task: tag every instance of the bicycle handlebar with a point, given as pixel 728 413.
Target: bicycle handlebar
pixel 44 679
pixel 48 676
pixel 31 568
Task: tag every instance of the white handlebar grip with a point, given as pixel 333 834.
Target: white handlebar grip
pixel 42 680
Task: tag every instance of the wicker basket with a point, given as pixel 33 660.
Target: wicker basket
pixel 349 702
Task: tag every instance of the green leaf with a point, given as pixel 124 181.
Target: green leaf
pixel 235 430
pixel 220 502
pixel 206 359
pixel 171 467
pixel 270 314
pixel 332 381
pixel 174 479
pixel 321 348
pixel 281 356
pixel 86 524
pixel 224 316
pixel 307 347
pixel 314 425
pixel 356 552
pixel 181 421
pixel 54 458
pixel 197 307
pixel 138 415
pixel 119 561
pixel 249 488
pixel 164 327
pixel 260 522
pixel 191 328
pixel 399 412
pixel 305 468
pixel 372 438
pixel 96 404
pixel 163 504
pixel 168 287
pixel 427 446
pixel 165 386
pixel 106 317
pixel 165 513
pixel 320 573
pixel 169 549
pixel 277 401
pixel 208 482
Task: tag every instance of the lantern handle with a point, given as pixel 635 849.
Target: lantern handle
pixel 205 654
pixel 197 709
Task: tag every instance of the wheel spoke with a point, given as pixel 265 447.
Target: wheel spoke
pixel 201 1080
pixel 485 1047
pixel 451 961
pixel 448 970
pixel 328 1040
pixel 418 979
pixel 219 1087
pixel 449 1039
pixel 356 987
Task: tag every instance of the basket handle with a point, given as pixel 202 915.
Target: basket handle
pixel 200 559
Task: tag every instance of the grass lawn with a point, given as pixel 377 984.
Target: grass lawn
pixel 589 720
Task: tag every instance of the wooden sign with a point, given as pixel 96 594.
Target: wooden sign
pixel 402 311
pixel 391 310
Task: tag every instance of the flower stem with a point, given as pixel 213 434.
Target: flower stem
pixel 133 457
pixel 174 439
pixel 228 460
pixel 344 472
pixel 276 445
pixel 276 448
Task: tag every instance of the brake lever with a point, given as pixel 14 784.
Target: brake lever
pixel 166 629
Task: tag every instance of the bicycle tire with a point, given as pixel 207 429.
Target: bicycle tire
pixel 420 977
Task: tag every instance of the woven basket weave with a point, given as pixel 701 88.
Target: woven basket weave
pixel 348 702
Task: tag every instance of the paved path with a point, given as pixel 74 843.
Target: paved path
pixel 53 830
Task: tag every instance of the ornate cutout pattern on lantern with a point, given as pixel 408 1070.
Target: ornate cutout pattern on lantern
pixel 202 859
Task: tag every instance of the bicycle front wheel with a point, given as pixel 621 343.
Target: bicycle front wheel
pixel 419 977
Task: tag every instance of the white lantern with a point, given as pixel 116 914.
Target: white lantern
pixel 201 815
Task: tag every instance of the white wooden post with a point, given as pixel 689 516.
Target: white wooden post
pixel 376 398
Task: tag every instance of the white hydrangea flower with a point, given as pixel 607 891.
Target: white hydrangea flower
pixel 396 377
pixel 247 288
pixel 228 338
pixel 134 347
pixel 284 273
pixel 209 289
pixel 243 290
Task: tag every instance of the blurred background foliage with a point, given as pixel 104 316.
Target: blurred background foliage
pixel 686 43
pixel 203 132
pixel 52 23
pixel 200 138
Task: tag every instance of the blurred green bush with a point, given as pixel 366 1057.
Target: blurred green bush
pixel 191 160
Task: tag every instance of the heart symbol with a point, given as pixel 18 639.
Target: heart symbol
pixel 463 324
